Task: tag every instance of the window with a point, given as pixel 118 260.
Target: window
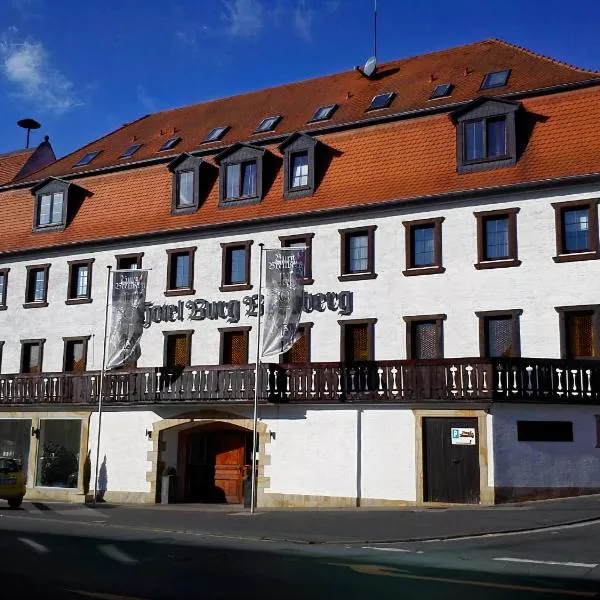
pixel 15 440
pixel 185 189
pixel 180 272
pixel 579 331
pixel 485 139
pixel 235 272
pixel 241 180
pixel 442 90
pixel 131 150
pixel 36 286
pixel 241 174
pixel 51 200
pixel 51 209
pixel 323 113
pixel 357 253
pixel 301 155
pixel 495 79
pixel 299 170
pixel 186 170
pixel 267 124
pixel 129 261
pixel 177 349
pixel 357 340
pixel 499 333
pixel 424 337
pixel 31 356
pixel 497 239
pixel 86 159
pixel 381 101
pixel 576 225
pixel 299 353
pixel 293 241
pixel 423 246
pixel 170 143
pixel 59 453
pixel 75 354
pixel 79 289
pixel 234 345
pixel 216 134
pixel 545 431
pixel 3 287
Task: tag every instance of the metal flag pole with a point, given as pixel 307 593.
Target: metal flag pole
pixel 256 384
pixel 109 268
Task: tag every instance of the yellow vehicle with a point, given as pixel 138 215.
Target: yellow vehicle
pixel 12 482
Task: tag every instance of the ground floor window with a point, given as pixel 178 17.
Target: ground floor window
pixel 59 448
pixel 15 436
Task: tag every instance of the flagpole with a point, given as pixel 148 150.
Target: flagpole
pixel 256 384
pixel 102 383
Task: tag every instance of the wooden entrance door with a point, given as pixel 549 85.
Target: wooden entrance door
pixel 215 466
pixel 450 468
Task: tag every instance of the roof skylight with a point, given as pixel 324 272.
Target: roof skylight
pixel 323 113
pixel 381 101
pixel 86 159
pixel 495 79
pixel 441 90
pixel 131 150
pixel 268 124
pixel 170 143
pixel 216 133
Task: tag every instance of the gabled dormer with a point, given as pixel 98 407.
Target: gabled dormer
pixel 301 158
pixel 191 178
pixel 486 135
pixel 51 204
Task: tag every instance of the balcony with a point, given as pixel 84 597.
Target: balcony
pixel 379 382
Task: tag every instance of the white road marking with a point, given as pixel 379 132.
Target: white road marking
pixel 385 549
pixel 547 562
pixel 34 545
pixel 117 554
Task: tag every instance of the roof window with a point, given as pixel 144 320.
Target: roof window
pixel 170 143
pixel 323 113
pixel 495 79
pixel 267 124
pixel 216 134
pixel 441 90
pixel 131 150
pixel 86 159
pixel 381 101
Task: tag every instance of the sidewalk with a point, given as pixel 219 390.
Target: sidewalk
pixel 354 525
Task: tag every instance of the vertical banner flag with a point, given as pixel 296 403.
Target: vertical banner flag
pixel 128 298
pixel 284 290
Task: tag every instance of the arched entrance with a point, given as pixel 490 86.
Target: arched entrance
pixel 214 459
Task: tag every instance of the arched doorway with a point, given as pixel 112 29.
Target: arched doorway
pixel 214 459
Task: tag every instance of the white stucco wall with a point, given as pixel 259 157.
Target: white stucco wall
pixel 545 464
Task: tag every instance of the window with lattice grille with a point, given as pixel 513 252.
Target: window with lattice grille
pixel 357 343
pixel 235 348
pixel 425 340
pixel 299 352
pixel 178 350
pixel 499 336
pixel 580 334
pixel 75 355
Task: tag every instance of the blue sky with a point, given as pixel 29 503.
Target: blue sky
pixel 85 68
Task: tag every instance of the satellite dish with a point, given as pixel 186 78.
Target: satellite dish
pixel 370 66
pixel 28 124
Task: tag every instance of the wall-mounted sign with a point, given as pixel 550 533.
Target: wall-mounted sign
pixel 463 436
pixel 231 310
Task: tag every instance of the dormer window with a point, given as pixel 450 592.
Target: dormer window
pixel 215 134
pixel 268 124
pixel 381 101
pixel 241 180
pixel 323 113
pixel 484 139
pixel 442 90
pixel 299 170
pixel 300 160
pixel 50 209
pixel 185 189
pixel 86 159
pixel 170 143
pixel 186 183
pixel 131 150
pixel 495 79
pixel 241 174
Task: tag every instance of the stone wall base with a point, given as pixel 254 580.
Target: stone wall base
pixel 115 497
pixel 268 500
pixel 522 494
pixel 54 495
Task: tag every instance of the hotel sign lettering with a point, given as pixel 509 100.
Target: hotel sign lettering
pixel 200 309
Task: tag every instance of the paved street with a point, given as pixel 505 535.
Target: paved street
pixel 67 551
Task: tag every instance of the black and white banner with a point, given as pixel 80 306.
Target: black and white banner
pixel 284 289
pixel 128 297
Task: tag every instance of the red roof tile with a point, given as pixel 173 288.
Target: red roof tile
pixel 11 164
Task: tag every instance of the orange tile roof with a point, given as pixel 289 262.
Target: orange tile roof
pixel 11 164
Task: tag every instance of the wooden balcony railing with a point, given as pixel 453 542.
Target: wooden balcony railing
pixel 447 380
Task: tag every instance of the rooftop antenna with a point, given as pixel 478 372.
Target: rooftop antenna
pixel 375 29
pixel 371 64
pixel 28 124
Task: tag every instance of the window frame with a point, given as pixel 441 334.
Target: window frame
pixel 130 150
pixel 594 252
pixel 513 254
pixel 66 340
pixel 188 333
pixel 449 87
pixel 411 321
pixel 50 187
pixel 227 247
pixel 138 256
pixel 223 331
pixel 29 342
pixel 239 154
pixel 295 144
pixel 562 328
pixel 485 315
pixel 437 266
pixel 345 235
pixel 370 323
pixel 390 98
pixel 306 239
pixel 483 86
pixel 222 130
pixel 185 162
pixel 331 110
pixel 3 297
pixel 261 128
pixel 306 328
pixel 190 251
pixel 90 156
pixel 36 303
pixel 74 299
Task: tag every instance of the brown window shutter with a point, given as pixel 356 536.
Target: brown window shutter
pixel 500 336
pixel 235 348
pixel 425 341
pixel 580 332
pixel 181 351
pixel 357 343
pixel 297 354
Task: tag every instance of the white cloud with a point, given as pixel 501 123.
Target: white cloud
pixel 145 99
pixel 303 17
pixel 27 67
pixel 243 18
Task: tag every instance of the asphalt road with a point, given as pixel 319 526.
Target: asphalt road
pixel 51 558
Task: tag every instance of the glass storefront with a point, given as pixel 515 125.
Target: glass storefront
pixel 58 454
pixel 15 438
